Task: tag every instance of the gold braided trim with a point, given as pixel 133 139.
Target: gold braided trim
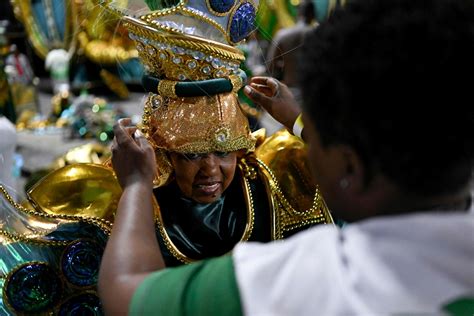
pixel 152 103
pixel 288 218
pixel 147 111
pixel 207 20
pixel 182 9
pixel 210 145
pixel 164 168
pixel 33 239
pixel 150 16
pixel 167 88
pixel 186 41
pixel 103 224
pixel 249 202
pixel 176 253
pixel 179 67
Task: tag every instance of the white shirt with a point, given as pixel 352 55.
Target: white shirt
pixel 383 266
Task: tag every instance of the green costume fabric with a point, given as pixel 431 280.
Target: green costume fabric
pixel 208 288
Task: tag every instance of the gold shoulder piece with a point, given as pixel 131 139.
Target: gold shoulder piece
pixel 286 156
pixel 85 190
pixel 296 199
pixel 259 135
pixel 88 153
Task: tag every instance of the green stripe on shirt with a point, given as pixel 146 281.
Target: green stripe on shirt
pixel 207 288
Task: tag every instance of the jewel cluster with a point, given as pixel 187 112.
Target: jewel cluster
pixel 182 56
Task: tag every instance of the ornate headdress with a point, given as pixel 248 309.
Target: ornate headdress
pixel 192 64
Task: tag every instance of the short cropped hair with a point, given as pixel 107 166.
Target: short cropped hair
pixel 394 80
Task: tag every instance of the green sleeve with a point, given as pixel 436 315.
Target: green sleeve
pixel 206 288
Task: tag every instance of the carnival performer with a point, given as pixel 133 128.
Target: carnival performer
pixel 214 183
pixel 373 71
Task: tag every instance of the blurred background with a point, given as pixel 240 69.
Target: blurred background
pixel 68 71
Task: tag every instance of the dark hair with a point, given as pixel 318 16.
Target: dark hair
pixel 394 80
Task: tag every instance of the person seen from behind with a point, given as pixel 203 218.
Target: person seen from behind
pixel 388 122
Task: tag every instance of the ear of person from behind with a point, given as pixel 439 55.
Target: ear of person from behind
pixel 387 108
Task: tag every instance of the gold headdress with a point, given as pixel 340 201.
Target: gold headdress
pixel 187 47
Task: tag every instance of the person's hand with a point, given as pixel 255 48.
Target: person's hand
pixel 133 158
pixel 275 97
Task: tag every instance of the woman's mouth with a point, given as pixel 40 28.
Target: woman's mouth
pixel 208 188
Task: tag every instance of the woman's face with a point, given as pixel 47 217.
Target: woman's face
pixel 204 177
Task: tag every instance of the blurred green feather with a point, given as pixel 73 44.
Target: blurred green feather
pixel 160 4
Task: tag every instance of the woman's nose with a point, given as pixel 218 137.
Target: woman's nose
pixel 209 165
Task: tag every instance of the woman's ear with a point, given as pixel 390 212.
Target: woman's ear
pixel 353 177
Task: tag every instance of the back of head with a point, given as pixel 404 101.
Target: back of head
pixel 388 78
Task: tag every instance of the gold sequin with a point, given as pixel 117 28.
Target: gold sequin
pixel 199 124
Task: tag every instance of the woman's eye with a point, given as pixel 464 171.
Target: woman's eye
pixel 192 156
pixel 221 154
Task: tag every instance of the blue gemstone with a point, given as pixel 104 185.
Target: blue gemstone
pixel 80 262
pixel 242 22
pixel 84 304
pixel 33 288
pixel 221 6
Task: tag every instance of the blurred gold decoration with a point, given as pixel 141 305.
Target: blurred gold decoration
pixel 285 19
pixel 90 153
pixel 115 84
pixel 249 110
pixel 60 102
pixel 23 121
pixel 102 38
